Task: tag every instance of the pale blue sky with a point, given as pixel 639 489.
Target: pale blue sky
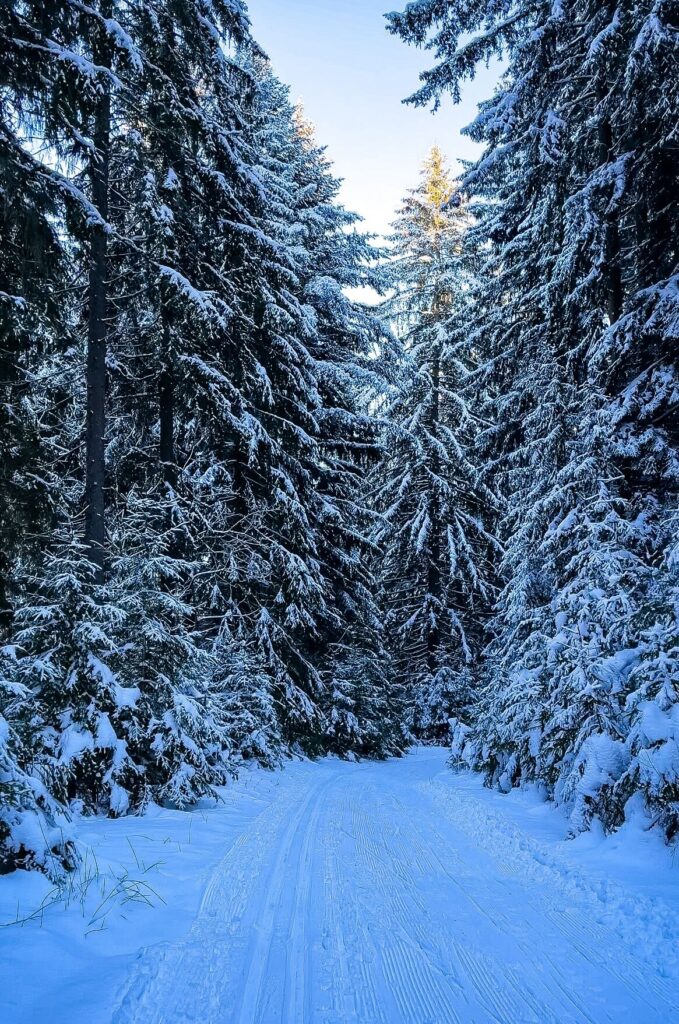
pixel 351 75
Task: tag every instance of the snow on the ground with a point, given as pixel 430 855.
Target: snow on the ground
pixel 339 893
pixel 628 881
pixel 66 965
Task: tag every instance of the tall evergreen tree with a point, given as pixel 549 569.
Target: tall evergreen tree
pixel 107 744
pixel 582 439
pixel 436 576
pixel 330 606
pixel 34 325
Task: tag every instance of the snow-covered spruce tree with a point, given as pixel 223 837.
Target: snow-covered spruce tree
pixel 181 744
pixel 59 112
pixel 364 714
pixel 34 832
pixel 331 255
pixel 652 706
pixel 35 327
pixel 269 447
pixel 558 715
pixel 577 318
pixel 35 330
pixel 31 273
pixel 204 209
pixel 39 125
pixel 29 832
pixel 247 426
pixel 67 638
pixel 121 712
pixel 635 362
pixel 572 566
pixel 190 196
pixel 528 343
pixel 242 690
pixel 110 745
pixel 436 574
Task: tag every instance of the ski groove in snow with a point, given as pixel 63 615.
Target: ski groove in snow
pixel 360 898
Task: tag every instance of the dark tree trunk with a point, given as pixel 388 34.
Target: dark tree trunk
pixel 434 570
pixel 95 523
pixel 6 610
pixel 612 269
pixel 167 406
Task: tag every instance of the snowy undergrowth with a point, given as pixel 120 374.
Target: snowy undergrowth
pixel 626 882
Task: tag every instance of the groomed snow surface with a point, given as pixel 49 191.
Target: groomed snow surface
pixel 340 893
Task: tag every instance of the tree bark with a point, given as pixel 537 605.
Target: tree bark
pixel 6 609
pixel 167 407
pixel 434 569
pixel 95 523
pixel 612 268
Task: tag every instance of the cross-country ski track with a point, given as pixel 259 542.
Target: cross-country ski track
pixel 364 894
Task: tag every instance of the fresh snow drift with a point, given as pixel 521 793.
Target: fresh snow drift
pixel 338 892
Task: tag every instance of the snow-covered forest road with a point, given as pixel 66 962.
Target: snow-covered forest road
pixel 387 893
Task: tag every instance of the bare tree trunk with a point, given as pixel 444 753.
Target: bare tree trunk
pixel 95 523
pixel 434 570
pixel 6 610
pixel 612 269
pixel 167 407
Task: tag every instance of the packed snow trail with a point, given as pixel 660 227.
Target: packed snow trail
pixel 360 897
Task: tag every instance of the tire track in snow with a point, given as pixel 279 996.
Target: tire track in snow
pixel 268 920
pixel 352 969
pixel 278 927
pixel 587 940
pixel 423 991
pixel 200 977
pixel 299 965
